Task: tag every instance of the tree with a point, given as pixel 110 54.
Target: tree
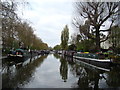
pixel 96 13
pixel 65 37
pixel 9 18
pixel 17 33
pixel 114 39
pixel 75 42
pixel 72 47
pixel 57 47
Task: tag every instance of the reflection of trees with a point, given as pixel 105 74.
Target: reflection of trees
pixel 63 69
pixel 56 56
pixel 69 59
pixel 22 74
pixel 113 77
pixel 88 77
pixel 63 66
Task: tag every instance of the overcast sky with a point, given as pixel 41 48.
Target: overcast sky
pixel 48 18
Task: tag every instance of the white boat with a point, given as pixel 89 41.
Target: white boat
pixel 93 59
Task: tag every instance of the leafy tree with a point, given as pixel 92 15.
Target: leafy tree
pixel 65 37
pixel 114 39
pixel 115 36
pixel 82 44
pixel 72 47
pixel 57 47
pixel 86 45
pixel 96 13
pixel 17 33
pixel 9 18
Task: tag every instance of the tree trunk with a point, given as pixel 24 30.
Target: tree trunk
pixel 97 39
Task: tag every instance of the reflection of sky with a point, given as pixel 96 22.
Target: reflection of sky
pixel 102 82
pixel 48 76
pixel 49 18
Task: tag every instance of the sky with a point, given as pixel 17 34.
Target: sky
pixel 48 18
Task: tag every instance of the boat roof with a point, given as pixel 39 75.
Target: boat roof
pixel 19 49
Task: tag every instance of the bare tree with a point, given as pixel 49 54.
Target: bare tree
pixel 96 13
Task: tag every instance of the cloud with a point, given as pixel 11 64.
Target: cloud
pixel 49 18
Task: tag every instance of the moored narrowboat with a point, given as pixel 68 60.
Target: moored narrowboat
pixel 18 53
pixel 97 59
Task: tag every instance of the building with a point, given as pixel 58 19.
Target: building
pixel 105 45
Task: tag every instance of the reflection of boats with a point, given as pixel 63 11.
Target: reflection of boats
pixel 92 66
pixel 18 53
pixel 95 59
pixel 17 74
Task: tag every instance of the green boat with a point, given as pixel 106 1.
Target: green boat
pixel 18 53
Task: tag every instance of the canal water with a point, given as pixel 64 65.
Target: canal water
pixel 56 71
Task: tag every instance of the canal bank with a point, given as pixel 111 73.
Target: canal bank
pixel 56 71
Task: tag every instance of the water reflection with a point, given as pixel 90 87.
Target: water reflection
pixel 64 65
pixel 57 56
pixel 17 74
pixel 64 68
pixel 113 77
pixel 90 77
pixel 57 71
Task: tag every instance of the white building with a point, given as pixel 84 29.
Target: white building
pixel 105 45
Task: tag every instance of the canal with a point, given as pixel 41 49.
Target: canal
pixel 56 71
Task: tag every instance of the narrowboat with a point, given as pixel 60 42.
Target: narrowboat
pixel 99 60
pixel 18 53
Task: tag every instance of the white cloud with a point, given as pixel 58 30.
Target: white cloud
pixel 49 17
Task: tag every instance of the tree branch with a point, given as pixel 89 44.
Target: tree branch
pixel 104 30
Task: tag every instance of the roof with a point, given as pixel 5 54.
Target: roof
pixel 19 50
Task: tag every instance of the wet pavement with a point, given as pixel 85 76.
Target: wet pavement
pixel 56 71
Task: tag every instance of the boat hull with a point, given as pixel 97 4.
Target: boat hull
pixel 18 57
pixel 96 62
